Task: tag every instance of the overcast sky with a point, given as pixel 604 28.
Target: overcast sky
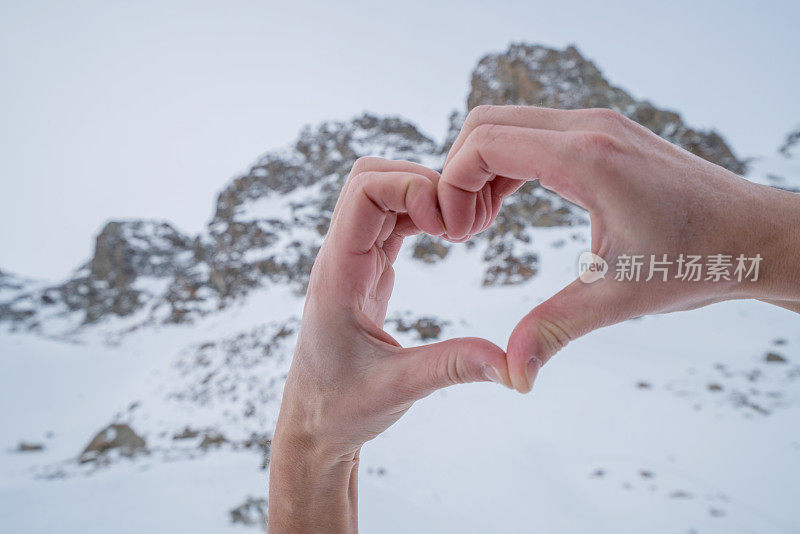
pixel 147 109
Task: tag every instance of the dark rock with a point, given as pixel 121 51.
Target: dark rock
pixel 253 512
pixel 427 328
pixel 186 433
pixel 791 141
pixel 118 437
pixel 29 447
pixel 774 357
pixel 429 249
pixel 212 438
pixel 262 442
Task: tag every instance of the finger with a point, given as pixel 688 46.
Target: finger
pixel 559 160
pixel 372 198
pixel 575 311
pixel 501 188
pixel 369 163
pixel 422 370
pixel 595 119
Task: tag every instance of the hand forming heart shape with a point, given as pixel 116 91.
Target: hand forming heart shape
pixel 647 200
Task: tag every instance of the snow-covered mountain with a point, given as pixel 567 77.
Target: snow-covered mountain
pixel 140 393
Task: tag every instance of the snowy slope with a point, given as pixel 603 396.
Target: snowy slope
pixel 589 448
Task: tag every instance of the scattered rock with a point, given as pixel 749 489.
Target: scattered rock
pixel 427 328
pixel 774 357
pixel 212 438
pixel 429 249
pixel 262 442
pixel 25 446
pixel 187 433
pixel 791 141
pixel 252 513
pixel 118 437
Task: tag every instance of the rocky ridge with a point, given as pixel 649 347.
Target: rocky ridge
pixel 269 223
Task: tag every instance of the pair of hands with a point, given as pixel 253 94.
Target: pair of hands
pixel 350 380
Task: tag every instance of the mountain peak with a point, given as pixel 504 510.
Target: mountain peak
pixel 535 75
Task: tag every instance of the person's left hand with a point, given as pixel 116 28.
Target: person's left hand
pixel 349 379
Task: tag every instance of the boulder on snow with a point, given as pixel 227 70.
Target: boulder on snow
pixel 119 437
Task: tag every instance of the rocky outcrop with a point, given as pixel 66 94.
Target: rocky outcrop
pixel 564 79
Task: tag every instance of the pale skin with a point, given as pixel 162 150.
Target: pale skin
pixel 350 380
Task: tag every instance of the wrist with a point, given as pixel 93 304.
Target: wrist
pixel 775 238
pixel 312 483
pixel 311 490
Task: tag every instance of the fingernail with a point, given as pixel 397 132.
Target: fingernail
pixel 532 367
pixel 440 220
pixel 491 373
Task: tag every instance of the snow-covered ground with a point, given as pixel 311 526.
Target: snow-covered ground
pixel 673 423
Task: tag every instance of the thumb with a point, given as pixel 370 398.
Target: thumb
pixel 425 369
pixel 573 312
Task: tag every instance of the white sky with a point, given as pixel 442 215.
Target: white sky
pixel 147 109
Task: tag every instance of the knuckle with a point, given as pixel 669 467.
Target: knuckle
pixel 480 114
pixel 450 366
pixel 554 334
pixel 595 147
pixel 360 180
pixel 608 119
pixel 365 163
pixel 485 134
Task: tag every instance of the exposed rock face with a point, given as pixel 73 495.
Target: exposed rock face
pixel 269 223
pixel 540 76
pixel 116 437
pixel 126 250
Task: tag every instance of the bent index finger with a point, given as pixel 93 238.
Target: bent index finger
pixel 522 116
pixel 370 198
pixel 508 152
pixel 371 163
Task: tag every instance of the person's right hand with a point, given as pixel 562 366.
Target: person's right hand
pixel 645 197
